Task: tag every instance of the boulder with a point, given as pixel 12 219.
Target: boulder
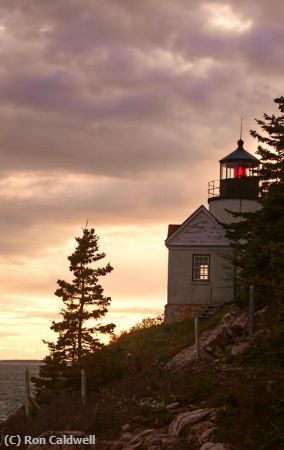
pixel 215 336
pixel 154 442
pixel 214 446
pixel 183 359
pixel 239 348
pixel 218 352
pixel 207 434
pixel 228 319
pixel 172 406
pixel 214 342
pixel 126 437
pixel 260 312
pixel 240 324
pixel 260 334
pixel 187 418
pixel 201 432
pixel 171 445
pixel 140 436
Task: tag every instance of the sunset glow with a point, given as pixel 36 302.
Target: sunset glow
pixel 223 16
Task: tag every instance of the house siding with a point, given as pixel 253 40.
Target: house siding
pixel 182 289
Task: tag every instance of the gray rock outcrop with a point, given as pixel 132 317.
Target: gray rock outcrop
pixel 230 335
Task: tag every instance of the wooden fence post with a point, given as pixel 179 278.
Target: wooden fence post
pixel 251 311
pixel 27 393
pixel 83 387
pixel 130 363
pixel 196 333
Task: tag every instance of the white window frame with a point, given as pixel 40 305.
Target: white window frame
pixel 200 267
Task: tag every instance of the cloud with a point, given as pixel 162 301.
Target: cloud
pixel 4 334
pixel 108 90
pixel 38 213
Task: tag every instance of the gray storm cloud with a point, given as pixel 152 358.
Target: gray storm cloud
pixel 145 95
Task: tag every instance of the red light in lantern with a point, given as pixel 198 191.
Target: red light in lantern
pixel 240 171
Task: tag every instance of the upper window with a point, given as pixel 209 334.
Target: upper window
pixel 200 268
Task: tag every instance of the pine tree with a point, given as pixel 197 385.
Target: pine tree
pixel 79 330
pixel 84 303
pixel 259 238
pixel 272 158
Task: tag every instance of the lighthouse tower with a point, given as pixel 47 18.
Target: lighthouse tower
pixel 237 188
pixel 200 269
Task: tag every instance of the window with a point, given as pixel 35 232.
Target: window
pixel 200 268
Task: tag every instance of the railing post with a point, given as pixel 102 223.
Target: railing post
pixel 27 393
pixel 130 363
pixel 196 333
pixel 83 387
pixel 251 311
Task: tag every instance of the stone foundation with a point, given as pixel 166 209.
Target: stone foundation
pixel 176 313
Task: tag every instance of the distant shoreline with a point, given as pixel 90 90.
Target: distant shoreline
pixel 21 361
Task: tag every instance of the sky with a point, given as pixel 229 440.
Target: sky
pixel 117 112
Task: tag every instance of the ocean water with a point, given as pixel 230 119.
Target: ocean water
pixel 12 384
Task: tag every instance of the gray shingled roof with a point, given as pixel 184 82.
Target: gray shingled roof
pixel 240 154
pixel 200 229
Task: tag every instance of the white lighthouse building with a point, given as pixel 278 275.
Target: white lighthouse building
pixel 200 269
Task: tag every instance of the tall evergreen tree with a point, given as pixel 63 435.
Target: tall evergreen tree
pixel 259 238
pixel 79 329
pixel 272 157
pixel 84 303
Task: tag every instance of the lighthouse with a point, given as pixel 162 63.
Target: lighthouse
pixel 200 268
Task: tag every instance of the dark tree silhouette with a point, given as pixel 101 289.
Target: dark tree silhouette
pixel 84 303
pixel 79 330
pixel 259 238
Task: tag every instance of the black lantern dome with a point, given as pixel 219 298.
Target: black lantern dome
pixel 237 176
pixel 240 161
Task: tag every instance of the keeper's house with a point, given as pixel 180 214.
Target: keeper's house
pixel 200 271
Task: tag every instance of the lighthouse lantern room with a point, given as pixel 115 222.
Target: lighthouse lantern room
pixel 237 188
